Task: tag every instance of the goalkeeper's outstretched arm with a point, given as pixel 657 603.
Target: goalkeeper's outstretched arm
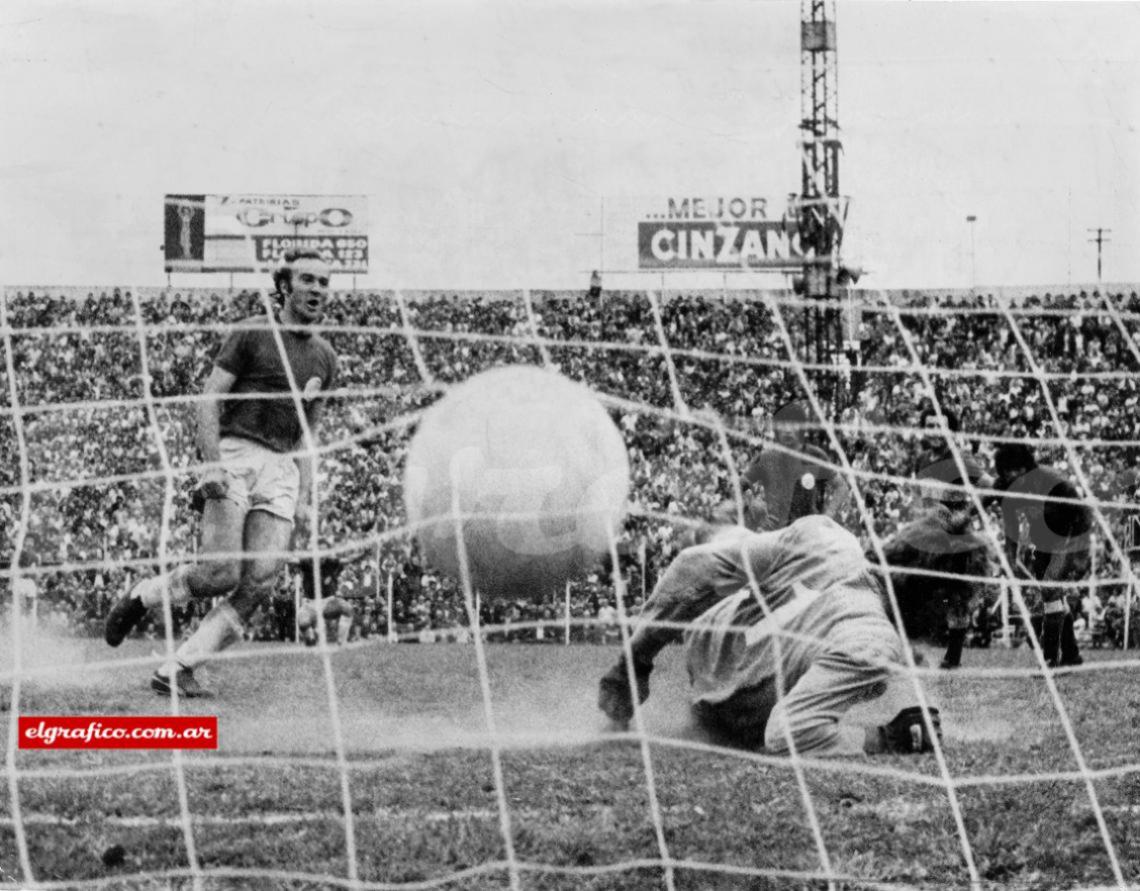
pixel 697 579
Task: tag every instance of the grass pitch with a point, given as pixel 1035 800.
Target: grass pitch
pixel 435 797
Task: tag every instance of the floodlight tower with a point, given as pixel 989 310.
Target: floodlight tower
pixel 820 210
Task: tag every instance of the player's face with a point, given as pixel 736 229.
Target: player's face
pixel 790 436
pixel 932 438
pixel 306 301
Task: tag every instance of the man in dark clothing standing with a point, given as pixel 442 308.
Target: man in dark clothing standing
pixel 1058 539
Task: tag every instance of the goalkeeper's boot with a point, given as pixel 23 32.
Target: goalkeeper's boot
pixel 910 732
pixel 124 616
pixel 183 679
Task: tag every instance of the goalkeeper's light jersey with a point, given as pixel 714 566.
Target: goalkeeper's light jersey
pixel 813 582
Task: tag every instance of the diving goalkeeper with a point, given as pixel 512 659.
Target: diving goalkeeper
pixel 784 632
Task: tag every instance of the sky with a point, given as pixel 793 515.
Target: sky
pixel 517 143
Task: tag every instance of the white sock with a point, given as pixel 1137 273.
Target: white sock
pixel 221 628
pixel 150 591
pixel 343 629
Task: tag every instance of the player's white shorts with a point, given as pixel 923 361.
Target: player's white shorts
pixel 258 478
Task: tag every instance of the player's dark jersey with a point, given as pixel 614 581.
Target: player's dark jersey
pixel 330 570
pixel 1053 525
pixel 937 466
pixel 938 541
pixel 250 353
pixel 795 485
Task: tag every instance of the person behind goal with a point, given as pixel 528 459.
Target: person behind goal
pixel 258 488
pixel 936 561
pixel 793 477
pixel 1057 549
pixel 322 600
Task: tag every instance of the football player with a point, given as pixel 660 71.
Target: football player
pixel 794 478
pixel 784 631
pixel 1057 550
pixel 259 487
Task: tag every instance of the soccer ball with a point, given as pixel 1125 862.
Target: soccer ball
pixel 516 479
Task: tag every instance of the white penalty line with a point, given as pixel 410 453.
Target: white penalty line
pixel 271 819
pixel 382 814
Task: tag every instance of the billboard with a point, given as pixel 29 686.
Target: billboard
pixel 723 232
pixel 251 233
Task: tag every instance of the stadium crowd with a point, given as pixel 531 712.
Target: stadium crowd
pixel 681 376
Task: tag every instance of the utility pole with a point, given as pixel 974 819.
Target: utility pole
pixel 971 219
pixel 1100 241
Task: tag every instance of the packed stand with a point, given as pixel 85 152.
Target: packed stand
pixel 680 376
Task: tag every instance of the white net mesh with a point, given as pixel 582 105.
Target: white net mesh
pixel 480 760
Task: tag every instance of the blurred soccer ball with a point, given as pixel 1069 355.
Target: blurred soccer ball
pixel 520 474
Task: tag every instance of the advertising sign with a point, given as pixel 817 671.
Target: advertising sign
pixel 252 233
pixel 723 232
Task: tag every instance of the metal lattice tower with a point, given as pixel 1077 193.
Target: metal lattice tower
pixel 820 209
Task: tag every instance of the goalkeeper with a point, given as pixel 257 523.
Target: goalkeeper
pixel 784 632
pixel 259 487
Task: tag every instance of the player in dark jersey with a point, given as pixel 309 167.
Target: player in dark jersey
pixel 793 477
pixel 1058 528
pixel 256 487
pixel 937 558
pixel 937 469
pixel 936 563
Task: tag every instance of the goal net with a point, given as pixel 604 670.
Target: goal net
pixel 1034 783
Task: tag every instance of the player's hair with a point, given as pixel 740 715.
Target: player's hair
pixel 1010 455
pixel 283 275
pixel 953 422
pixel 797 411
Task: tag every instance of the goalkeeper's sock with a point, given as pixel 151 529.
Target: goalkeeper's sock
pixel 221 628
pixel 150 591
pixel 343 629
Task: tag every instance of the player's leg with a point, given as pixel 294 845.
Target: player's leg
pixel 741 719
pixel 957 626
pixel 273 481
pixel 266 539
pixel 860 665
pixel 307 619
pixel 215 575
pixel 1077 565
pixel 341 611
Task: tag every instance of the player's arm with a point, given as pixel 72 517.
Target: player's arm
pixel 697 579
pixel 1073 523
pixel 307 466
pixel 219 382
pixel 1011 533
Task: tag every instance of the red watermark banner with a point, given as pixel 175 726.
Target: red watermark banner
pixel 118 731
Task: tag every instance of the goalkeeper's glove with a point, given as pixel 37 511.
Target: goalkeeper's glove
pixel 911 732
pixel 614 695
